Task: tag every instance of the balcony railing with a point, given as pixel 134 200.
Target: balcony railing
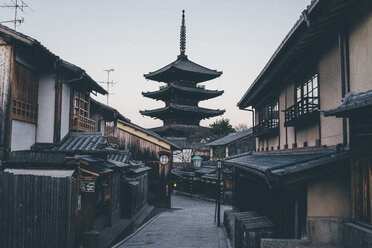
pixel 83 124
pixel 266 127
pixel 305 110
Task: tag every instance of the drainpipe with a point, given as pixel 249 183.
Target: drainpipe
pixel 341 43
pixel 251 110
pixel 57 105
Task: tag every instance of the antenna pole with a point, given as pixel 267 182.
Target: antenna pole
pixel 16 7
pixel 108 83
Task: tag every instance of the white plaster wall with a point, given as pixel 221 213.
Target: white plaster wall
pixel 360 47
pixel 329 196
pixel 23 135
pixel 309 134
pixel 46 101
pixel 65 115
pixel 330 94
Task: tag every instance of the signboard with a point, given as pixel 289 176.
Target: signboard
pixel 164 159
pixel 88 186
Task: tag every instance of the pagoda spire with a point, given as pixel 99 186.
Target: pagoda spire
pixel 183 35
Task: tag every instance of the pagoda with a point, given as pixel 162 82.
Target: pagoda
pixel 182 93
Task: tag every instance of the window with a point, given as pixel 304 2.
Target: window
pixel 81 103
pixel 306 101
pixel 307 92
pixel 80 110
pixel 268 119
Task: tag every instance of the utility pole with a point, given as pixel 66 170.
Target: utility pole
pixel 217 211
pixel 108 83
pixel 17 5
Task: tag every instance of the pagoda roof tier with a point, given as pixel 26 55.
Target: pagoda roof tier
pixel 183 69
pixel 176 91
pixel 182 131
pixel 172 109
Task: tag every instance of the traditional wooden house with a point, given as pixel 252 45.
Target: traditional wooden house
pixel 42 96
pixel 232 144
pixel 300 176
pixel 182 93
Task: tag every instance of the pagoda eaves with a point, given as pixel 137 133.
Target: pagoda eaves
pixel 183 69
pixel 193 93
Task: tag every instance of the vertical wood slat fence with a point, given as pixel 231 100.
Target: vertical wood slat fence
pixel 37 211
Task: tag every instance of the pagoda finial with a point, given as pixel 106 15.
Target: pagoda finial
pixel 183 35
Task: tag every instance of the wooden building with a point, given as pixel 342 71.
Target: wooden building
pixel 303 176
pixel 42 97
pixel 182 93
pixel 232 144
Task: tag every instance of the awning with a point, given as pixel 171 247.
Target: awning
pixel 270 165
pixel 351 103
pixel 35 172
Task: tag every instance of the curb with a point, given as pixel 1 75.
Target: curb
pixel 135 232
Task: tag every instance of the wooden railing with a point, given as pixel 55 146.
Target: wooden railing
pixel 305 109
pixel 266 127
pixel 24 111
pixel 83 124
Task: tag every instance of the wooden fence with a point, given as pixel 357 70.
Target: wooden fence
pixel 37 211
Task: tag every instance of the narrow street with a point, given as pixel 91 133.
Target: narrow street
pixel 189 224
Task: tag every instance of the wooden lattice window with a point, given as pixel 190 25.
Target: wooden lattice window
pixel 80 110
pixel 24 99
pixel 81 104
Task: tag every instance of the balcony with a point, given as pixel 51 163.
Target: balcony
pixel 266 128
pixel 306 110
pixel 83 124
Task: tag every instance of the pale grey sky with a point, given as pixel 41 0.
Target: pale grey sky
pixel 136 37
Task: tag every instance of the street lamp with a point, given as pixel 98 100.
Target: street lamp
pixel 196 160
pixel 218 197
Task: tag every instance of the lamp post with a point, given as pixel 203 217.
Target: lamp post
pixel 218 198
pixel 196 160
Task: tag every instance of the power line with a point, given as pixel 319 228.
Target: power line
pixel 16 5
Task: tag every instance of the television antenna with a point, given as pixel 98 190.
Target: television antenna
pixel 108 83
pixel 17 5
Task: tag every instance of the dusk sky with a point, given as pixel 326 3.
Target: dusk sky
pixel 136 37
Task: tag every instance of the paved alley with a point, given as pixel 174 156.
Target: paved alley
pixel 189 224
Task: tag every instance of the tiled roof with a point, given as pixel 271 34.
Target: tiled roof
pixel 351 102
pixel 80 141
pixel 186 69
pixel 231 138
pixel 195 110
pixel 108 110
pixel 120 156
pixel 283 163
pixel 205 170
pixel 175 90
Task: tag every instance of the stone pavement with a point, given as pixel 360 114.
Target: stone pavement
pixel 189 224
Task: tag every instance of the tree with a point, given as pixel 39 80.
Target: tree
pixel 241 127
pixel 221 127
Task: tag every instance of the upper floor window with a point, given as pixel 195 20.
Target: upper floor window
pixel 306 107
pixel 268 119
pixel 308 89
pixel 80 110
